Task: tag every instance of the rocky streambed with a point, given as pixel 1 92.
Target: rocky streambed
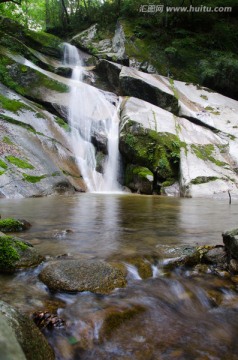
pixel 165 302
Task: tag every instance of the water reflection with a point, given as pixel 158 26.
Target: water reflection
pixel 103 224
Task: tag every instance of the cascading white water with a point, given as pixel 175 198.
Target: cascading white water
pixel 90 110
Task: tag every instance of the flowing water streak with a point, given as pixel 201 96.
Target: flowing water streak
pixel 91 111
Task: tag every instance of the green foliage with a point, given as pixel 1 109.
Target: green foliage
pixel 220 72
pixel 22 164
pixel 10 251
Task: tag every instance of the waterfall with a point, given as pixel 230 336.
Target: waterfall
pixel 92 112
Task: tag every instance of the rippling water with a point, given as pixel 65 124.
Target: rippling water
pixel 178 321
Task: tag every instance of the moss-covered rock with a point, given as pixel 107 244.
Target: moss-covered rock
pixel 46 43
pixel 81 275
pixel 13 225
pixel 16 254
pixel 159 152
pixel 29 337
pixel 27 81
pixel 139 179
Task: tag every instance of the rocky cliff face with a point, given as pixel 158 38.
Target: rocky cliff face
pixel 175 138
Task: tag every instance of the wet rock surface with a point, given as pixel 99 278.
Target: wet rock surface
pixel 82 275
pixel 230 239
pixel 29 338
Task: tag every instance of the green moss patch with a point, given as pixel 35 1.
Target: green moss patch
pixel 17 122
pixel 62 123
pixel 12 225
pixel 7 140
pixel 10 251
pixel 3 165
pixel 205 152
pixel 203 179
pixel 22 164
pixel 133 171
pixel 33 178
pixel 12 105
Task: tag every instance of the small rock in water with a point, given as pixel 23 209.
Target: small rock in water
pixel 233 265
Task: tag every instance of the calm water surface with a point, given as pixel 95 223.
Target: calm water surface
pixel 178 320
pixel 103 224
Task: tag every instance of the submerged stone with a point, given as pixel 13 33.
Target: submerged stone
pixel 82 275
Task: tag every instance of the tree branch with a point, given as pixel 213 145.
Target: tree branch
pixel 18 2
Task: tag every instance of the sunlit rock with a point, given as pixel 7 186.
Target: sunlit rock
pixel 175 149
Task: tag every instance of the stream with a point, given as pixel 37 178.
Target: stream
pixel 176 315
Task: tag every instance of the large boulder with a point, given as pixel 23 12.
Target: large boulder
pixel 109 72
pixel 230 239
pixel 82 275
pixel 10 348
pixel 23 336
pixel 36 157
pixel 150 88
pixel 45 43
pixel 169 146
pixel 112 48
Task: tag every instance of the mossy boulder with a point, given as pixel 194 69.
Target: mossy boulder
pixel 46 43
pixel 139 179
pixel 30 339
pixel 159 152
pixel 13 225
pixel 27 81
pixel 16 254
pixel 82 275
